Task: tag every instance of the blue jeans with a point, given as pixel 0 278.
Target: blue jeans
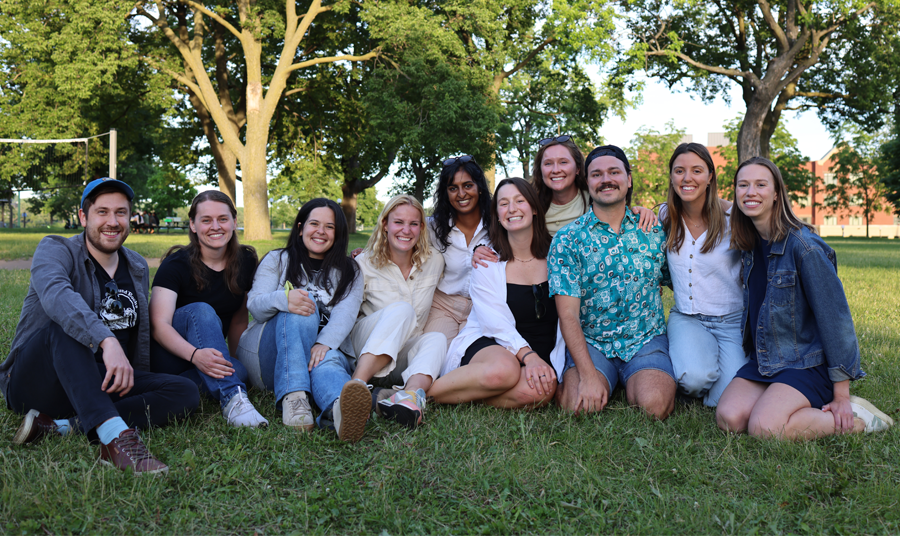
pixel 284 349
pixel 199 325
pixel 328 378
pixel 706 353
pixel 652 356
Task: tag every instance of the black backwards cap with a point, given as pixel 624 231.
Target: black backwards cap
pixel 607 150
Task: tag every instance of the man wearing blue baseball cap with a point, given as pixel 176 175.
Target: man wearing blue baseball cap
pixel 605 274
pixel 80 358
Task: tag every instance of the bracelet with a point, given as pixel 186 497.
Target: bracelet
pixel 526 355
pixel 195 351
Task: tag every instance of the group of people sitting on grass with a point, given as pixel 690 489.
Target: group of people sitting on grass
pixel 547 290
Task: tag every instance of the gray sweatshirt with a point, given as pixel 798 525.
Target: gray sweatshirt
pixel 64 290
pixel 267 298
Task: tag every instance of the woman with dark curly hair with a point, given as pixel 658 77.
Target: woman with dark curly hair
pixel 460 223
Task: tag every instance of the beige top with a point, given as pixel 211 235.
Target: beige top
pixel 558 216
pixel 386 285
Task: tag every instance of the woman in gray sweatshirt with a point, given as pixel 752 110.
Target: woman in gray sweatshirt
pixel 304 301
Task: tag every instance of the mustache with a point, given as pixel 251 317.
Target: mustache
pixel 603 185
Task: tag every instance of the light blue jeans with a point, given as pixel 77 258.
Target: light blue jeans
pixel 284 353
pixel 706 353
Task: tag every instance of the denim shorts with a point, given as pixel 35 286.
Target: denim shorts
pixel 652 356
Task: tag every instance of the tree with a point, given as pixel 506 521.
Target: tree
pixel 265 40
pixel 542 102
pixel 501 38
pixel 433 110
pixel 167 190
pixel 57 83
pixel 889 161
pixel 835 56
pixel 856 178
pixel 649 155
pixel 783 151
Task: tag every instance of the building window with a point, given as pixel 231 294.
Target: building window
pixel 856 220
pixel 830 220
pixel 830 180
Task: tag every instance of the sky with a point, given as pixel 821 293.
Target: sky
pixel 698 118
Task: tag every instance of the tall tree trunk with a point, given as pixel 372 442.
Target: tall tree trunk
pixel 753 128
pixel 253 166
pixel 348 206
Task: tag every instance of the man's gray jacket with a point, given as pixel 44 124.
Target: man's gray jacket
pixel 64 290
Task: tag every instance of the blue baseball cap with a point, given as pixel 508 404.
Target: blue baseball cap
pixel 117 184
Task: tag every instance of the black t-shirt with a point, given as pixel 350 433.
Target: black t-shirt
pixel 121 318
pixel 175 274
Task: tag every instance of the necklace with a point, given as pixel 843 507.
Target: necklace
pixel 690 221
pixel 520 260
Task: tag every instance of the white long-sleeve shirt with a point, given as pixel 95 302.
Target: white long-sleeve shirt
pixel 457 258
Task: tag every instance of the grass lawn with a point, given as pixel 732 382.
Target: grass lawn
pixel 21 243
pixel 477 470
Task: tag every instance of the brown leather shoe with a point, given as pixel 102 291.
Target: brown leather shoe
pixel 34 427
pixel 128 450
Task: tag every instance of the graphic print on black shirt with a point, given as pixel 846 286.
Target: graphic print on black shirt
pixel 118 302
pixel 318 294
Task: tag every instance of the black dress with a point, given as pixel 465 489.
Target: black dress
pixel 526 302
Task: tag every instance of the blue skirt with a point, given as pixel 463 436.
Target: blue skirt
pixel 814 383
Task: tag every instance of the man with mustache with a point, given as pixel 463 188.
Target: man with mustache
pixel 605 274
pixel 81 354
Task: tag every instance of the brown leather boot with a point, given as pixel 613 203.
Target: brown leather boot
pixel 34 427
pixel 128 450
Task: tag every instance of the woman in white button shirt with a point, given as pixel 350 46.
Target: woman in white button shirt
pixel 401 272
pixel 705 324
pixel 460 223
pixel 511 348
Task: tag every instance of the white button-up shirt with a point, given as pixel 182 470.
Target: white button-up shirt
pixel 458 258
pixel 706 283
pixel 386 285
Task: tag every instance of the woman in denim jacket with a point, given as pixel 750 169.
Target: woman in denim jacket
pixel 796 325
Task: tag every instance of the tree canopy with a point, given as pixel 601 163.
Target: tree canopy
pixel 834 56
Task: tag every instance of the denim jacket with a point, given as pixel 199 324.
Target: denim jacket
pixel 804 319
pixel 63 289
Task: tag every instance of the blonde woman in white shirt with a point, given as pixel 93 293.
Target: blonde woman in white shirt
pixel 704 325
pixel 460 223
pixel 401 272
pixel 510 350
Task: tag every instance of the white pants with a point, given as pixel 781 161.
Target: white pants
pixel 390 332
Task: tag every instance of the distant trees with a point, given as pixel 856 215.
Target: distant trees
pixel 856 181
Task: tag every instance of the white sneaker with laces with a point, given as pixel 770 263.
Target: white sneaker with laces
pixel 296 411
pixel 239 411
pixel 875 419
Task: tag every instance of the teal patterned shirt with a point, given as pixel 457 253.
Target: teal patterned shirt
pixel 616 276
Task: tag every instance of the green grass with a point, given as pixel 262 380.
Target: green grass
pixel 21 243
pixel 472 469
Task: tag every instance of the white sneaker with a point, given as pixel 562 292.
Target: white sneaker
pixel 296 411
pixel 875 419
pixel 240 412
pixel 351 411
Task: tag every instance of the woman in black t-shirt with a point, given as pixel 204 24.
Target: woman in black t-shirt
pixel 199 299
pixel 511 348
